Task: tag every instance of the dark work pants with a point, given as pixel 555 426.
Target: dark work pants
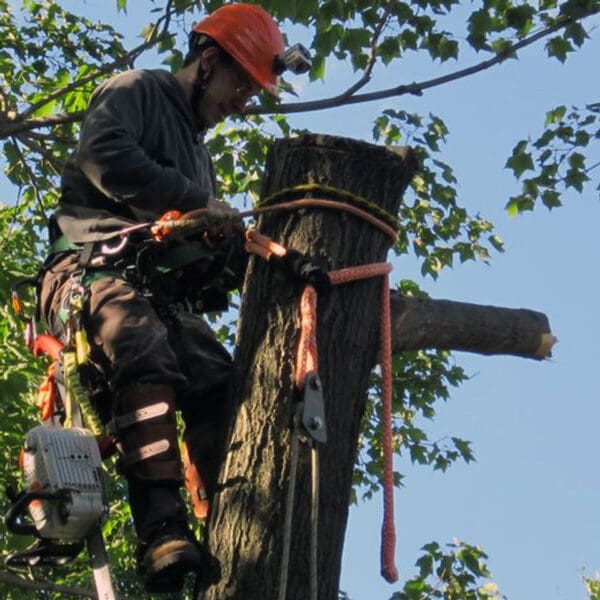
pixel 132 345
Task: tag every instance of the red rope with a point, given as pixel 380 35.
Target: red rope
pixel 307 360
pixel 388 530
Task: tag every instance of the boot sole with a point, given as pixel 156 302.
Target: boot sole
pixel 166 566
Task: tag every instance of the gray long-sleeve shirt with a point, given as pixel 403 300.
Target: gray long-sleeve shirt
pixel 139 155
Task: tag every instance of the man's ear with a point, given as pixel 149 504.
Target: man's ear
pixel 208 57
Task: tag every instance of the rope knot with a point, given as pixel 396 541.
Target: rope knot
pixel 307 269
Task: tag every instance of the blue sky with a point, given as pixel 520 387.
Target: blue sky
pixel 531 499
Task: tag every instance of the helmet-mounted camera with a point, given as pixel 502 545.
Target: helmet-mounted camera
pixel 296 59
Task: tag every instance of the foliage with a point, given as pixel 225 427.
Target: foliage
pixel 557 158
pixel 422 379
pixel 592 586
pixel 437 227
pixel 50 61
pixel 459 573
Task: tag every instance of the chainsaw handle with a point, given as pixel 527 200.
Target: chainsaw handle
pixel 13 517
pixel 47 344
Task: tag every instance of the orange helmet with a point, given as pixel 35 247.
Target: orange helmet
pixel 249 34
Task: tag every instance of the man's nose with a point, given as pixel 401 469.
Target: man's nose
pixel 239 102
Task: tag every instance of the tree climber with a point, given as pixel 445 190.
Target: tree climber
pixel 140 154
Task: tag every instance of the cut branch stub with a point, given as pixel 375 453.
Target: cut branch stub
pixel 246 528
pixel 419 323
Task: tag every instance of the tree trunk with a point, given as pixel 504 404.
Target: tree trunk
pixel 247 522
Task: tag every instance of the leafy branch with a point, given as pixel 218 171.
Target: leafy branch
pixel 20 124
pixel 45 586
pixel 417 89
pixel 366 77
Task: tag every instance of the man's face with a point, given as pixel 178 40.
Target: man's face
pixel 228 91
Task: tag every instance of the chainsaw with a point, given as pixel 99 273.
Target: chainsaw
pixel 63 503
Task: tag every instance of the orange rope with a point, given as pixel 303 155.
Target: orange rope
pixel 307 360
pixel 194 218
pixel 307 357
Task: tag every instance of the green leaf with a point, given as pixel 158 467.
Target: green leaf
pixel 480 25
pixel 317 71
pixel 576 33
pixel 389 49
pixel 520 18
pixel 520 161
pixel 551 199
pixel 555 115
pixel 558 47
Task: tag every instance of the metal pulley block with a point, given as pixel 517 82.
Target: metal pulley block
pixel 313 408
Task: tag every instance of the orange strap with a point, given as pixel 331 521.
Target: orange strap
pixel 307 360
pixel 46 394
pixel 194 484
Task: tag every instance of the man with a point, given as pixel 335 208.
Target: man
pixel 141 154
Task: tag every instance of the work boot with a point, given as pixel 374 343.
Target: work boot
pixel 164 563
pixel 167 549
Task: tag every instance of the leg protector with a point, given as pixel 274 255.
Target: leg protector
pixel 147 432
pixel 146 429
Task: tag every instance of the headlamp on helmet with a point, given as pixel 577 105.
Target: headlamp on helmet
pixel 296 59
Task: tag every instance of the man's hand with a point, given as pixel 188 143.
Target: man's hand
pixel 231 225
pixel 220 207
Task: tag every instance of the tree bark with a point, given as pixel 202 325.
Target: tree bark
pixel 247 521
pixel 419 323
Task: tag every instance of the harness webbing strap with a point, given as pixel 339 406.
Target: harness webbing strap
pixel 143 453
pixel 141 414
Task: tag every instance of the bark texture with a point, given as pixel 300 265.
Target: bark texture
pixel 246 527
pixel 419 323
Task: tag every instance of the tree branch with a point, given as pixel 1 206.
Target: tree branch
pixel 418 88
pixel 420 323
pixel 366 77
pixel 32 180
pixel 41 150
pixel 47 586
pixel 126 59
pixel 12 126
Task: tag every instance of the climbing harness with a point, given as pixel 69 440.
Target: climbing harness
pixel 62 459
